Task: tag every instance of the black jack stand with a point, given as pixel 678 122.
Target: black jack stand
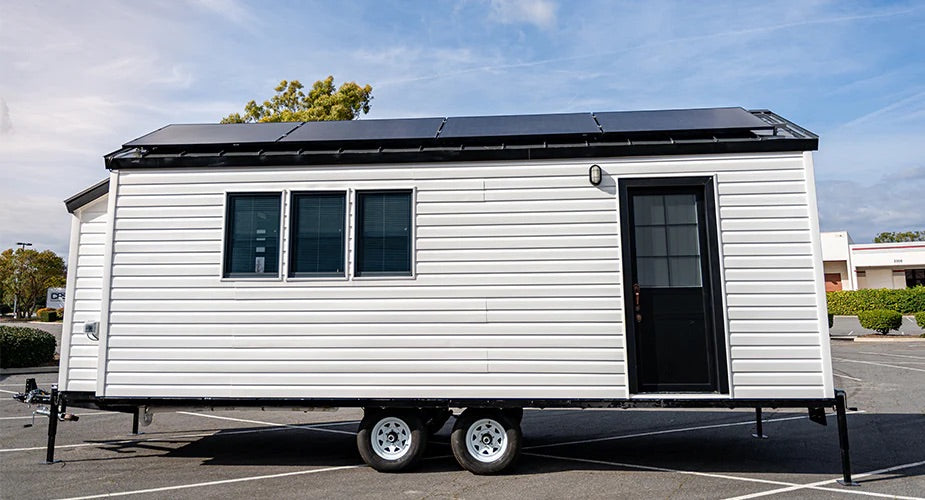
pixel 52 425
pixel 759 430
pixel 841 416
pixel 135 416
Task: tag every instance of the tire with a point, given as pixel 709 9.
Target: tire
pixel 392 440
pixel 486 441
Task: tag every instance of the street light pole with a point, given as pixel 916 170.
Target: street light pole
pixel 22 246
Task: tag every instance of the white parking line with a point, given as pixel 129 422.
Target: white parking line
pixel 168 437
pixel 215 483
pixel 671 431
pixel 879 364
pixel 895 355
pixel 847 377
pixel 10 392
pixel 314 427
pixel 78 414
pixel 816 485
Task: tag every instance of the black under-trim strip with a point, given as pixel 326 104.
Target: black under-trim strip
pixel 128 404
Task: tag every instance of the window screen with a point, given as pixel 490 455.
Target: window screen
pixel 252 235
pixel 383 233
pixel 317 234
pixel 667 240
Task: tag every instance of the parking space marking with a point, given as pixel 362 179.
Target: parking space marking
pixel 670 431
pixel 219 432
pixel 895 355
pixel 817 485
pixel 314 427
pixel 78 414
pixel 215 483
pixel 847 377
pixel 662 469
pixel 9 392
pixel 879 364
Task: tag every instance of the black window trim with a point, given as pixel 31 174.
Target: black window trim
pixel 355 229
pixel 293 226
pixel 226 244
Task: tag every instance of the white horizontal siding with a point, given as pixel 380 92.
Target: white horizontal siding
pixel 517 291
pixel 82 352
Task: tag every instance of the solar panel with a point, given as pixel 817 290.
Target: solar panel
pixel 228 133
pixel 366 130
pixel 680 120
pixel 519 125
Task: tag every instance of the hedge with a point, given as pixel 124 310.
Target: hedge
pixel 920 319
pixel 22 347
pixel 851 302
pixel 880 320
pixel 47 314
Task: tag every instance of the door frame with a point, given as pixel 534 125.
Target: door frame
pixel 715 317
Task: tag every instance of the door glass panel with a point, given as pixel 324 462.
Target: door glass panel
pixel 651 241
pixel 684 271
pixel 684 240
pixel 681 209
pixel 652 271
pixel 648 209
pixel 667 240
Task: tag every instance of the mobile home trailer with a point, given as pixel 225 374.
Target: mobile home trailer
pixel 491 263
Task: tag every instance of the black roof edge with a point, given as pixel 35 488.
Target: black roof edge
pixel 782 136
pixel 87 196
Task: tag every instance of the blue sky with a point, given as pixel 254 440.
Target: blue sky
pixel 78 79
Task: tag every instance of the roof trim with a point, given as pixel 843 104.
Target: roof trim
pixel 87 196
pixel 775 134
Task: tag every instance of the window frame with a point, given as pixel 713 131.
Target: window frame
pixel 227 227
pixel 292 275
pixel 355 229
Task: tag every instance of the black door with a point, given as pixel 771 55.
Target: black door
pixel 674 314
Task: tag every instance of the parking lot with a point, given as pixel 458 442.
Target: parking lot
pixel 573 453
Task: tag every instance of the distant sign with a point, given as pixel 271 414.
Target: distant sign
pixel 55 298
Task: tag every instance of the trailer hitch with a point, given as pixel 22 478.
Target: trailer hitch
pixel 49 404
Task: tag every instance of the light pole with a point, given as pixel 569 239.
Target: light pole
pixel 22 246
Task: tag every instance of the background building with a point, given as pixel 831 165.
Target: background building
pixel 851 266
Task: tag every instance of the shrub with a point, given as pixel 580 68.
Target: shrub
pixel 47 314
pixel 880 320
pixel 920 319
pixel 5 309
pixel 851 302
pixel 60 312
pixel 20 347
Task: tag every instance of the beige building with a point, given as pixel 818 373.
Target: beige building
pixel 852 266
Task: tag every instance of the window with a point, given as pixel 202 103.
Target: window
pixel 317 234
pixel 915 277
pixel 667 238
pixel 383 233
pixel 252 235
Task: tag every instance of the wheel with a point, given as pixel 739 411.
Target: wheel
pixel 392 440
pixel 436 418
pixel 485 441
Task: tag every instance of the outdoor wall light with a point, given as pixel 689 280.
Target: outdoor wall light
pixel 594 175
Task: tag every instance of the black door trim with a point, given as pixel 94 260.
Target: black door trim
pixel 715 313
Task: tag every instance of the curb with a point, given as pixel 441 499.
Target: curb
pixel 25 371
pixel 889 339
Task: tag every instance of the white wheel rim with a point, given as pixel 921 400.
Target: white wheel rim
pixel 486 440
pixel 391 438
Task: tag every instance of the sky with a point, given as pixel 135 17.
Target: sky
pixel 80 78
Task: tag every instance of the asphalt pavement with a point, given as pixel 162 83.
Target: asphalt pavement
pixel 567 454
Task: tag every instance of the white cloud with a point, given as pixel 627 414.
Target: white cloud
pixel 540 13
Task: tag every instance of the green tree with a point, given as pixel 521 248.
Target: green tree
pixel 27 275
pixel 896 237
pixel 323 102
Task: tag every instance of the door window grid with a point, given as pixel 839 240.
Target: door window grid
pixel 667 240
